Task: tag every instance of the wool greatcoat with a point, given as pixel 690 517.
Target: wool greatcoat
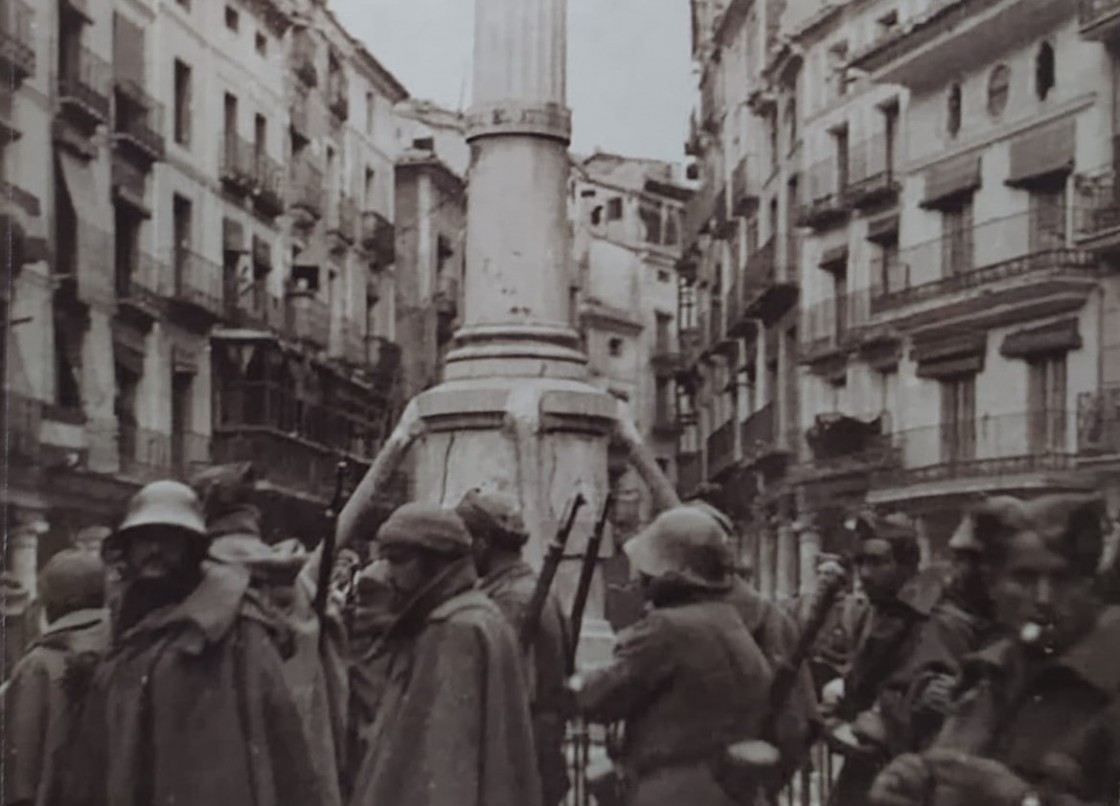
pixel 453 725
pixel 191 708
pixel 1054 722
pixel 42 701
pixel 511 587
pixel 689 680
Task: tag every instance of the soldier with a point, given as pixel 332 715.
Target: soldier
pixel 1037 716
pixel 498 533
pixel 688 679
pixel 775 633
pixel 453 726
pixel 49 683
pixel 874 703
pixel 190 706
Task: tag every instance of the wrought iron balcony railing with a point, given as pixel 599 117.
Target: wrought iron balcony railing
pixel 142 283
pixel 1098 422
pixel 744 187
pixel 17 42
pixel 990 445
pixel 996 250
pixel 823 199
pixel 311 318
pixel 269 185
pixel 378 236
pixel 871 171
pixel 308 188
pixel 239 169
pixel 85 83
pixel 1098 206
pixel 721 448
pixel 138 122
pixel 198 282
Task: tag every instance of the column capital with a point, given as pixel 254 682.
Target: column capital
pixel 520 117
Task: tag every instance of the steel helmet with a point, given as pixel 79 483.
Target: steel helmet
pixel 165 503
pixel 493 515
pixel 686 544
pixel 73 579
pixel 426 526
pixel 982 522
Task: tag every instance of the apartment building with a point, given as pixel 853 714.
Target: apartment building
pixel 204 279
pixel 937 195
pixel 626 218
pixel 738 385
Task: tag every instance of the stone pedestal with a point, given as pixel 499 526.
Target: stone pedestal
pixel 785 583
pixel 809 549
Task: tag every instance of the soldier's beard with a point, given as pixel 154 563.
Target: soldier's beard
pixel 145 595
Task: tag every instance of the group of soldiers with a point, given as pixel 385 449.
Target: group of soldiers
pixel 188 662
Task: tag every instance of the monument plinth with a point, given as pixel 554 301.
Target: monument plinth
pixel 515 411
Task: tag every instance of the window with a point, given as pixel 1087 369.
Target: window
pixel 1046 402
pixel 773 121
pixel 184 4
pixel 181 395
pixel 124 407
pixel 791 121
pixel 956 239
pixel 999 87
pixel 614 346
pixel 887 22
pixel 68 362
pixel 651 221
pixel 1048 218
pixel 1044 65
pixel 840 298
pixel 260 42
pixel 233 19
pixel 260 134
pixel 890 135
pixel 614 209
pixel 369 113
pixel 672 227
pixel 889 267
pixel 663 276
pixel 597 215
pixel 664 327
pixel 663 406
pixel 958 419
pixel 181 214
pixel 182 103
pixel 953 115
pixel 840 136
pixel 369 186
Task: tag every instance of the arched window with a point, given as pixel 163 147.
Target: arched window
pixel 953 118
pixel 999 86
pixel 1044 65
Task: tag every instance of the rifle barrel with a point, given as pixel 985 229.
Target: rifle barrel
pixel 587 573
pixel 552 559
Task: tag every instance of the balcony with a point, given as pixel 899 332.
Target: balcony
pixel 299 114
pixel 138 124
pixel 130 183
pixel 1097 227
pixel 842 445
pixel 721 449
pixel 303 57
pixel 871 173
pixel 291 463
pixel 690 472
pixel 692 347
pixel 141 286
pixel 307 189
pixel 698 215
pixel 1004 452
pixel 1000 272
pixel 758 435
pixel 1100 19
pixel 85 88
pixel 769 290
pixel 378 237
pixel 744 188
pixel 257 309
pixel 17 42
pixel 1098 423
pixel 353 342
pixel 342 224
pixel 268 184
pixel 383 358
pixel 665 360
pixel 198 283
pixel 963 33
pixel 338 94
pixel 239 168
pixel 310 318
pixel 145 455
pixel 722 225
pixel 823 203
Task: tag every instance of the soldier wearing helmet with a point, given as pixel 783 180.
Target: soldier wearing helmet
pixel 194 680
pixel 1036 717
pixel 497 534
pixel 49 684
pixel 453 723
pixel 688 679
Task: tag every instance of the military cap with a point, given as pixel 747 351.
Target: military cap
pixel 222 488
pixel 493 515
pixel 426 526
pixel 73 579
pixel 683 543
pixel 165 503
pixel 985 522
pixel 1071 525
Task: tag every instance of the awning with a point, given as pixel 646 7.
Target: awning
pixel 1044 153
pixel 94 213
pixel 128 52
pixel 834 256
pixel 1060 336
pixel 883 228
pixel 233 236
pixel 956 354
pixel 951 179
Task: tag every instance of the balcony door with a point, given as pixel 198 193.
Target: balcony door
pixel 1048 218
pixel 181 388
pixel 956 239
pixel 1046 402
pixel 958 419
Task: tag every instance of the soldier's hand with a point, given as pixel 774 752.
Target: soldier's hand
pixel 938 693
pixel 832 693
pixel 975 779
pixel 907 781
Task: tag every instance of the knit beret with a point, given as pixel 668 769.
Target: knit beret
pixel 426 526
pixel 493 515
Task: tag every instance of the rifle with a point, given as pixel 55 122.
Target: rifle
pixel 554 554
pixel 586 574
pixel 744 764
pixel 326 558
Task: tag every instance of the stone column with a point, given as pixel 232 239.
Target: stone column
pixel 23 549
pixel 809 545
pixel 767 561
pixel 785 583
pixel 517 278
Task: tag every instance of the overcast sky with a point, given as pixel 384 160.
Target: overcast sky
pixel 629 73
